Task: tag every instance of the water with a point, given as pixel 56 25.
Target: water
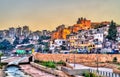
pixel 14 71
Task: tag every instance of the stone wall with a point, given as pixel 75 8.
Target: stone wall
pixel 78 58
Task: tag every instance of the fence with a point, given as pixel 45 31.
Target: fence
pixel 73 71
pixel 104 73
pixel 81 71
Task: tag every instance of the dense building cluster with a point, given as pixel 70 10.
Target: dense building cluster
pixel 22 33
pixel 84 36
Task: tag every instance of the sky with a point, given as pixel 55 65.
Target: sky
pixel 48 14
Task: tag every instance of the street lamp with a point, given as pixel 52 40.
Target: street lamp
pixel 97 60
pixel 69 52
pixel 75 53
pixel 74 58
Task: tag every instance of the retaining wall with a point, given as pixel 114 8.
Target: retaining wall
pixel 77 58
pixel 49 70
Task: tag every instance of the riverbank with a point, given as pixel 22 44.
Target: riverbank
pixel 1 73
pixel 85 59
pixel 53 71
pixel 34 72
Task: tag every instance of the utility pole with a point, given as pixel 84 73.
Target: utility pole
pixel 69 51
pixel 74 56
pixel 97 60
pixel 97 53
pixel 74 59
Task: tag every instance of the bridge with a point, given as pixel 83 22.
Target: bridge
pixel 15 60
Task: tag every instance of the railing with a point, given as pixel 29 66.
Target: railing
pixel 104 73
pixel 81 71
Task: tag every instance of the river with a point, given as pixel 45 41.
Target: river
pixel 14 71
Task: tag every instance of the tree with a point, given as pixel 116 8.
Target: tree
pixel 1 54
pixel 16 41
pixel 2 47
pixel 115 59
pixel 112 31
pixel 46 49
pixel 45 37
pixel 39 49
pixel 5 44
pixel 25 41
pixel 63 47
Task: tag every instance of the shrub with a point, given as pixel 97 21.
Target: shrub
pixel 61 62
pixel 36 61
pixel 119 68
pixel 89 74
pixel 86 74
pixel 48 64
pixel 52 65
pixel 115 59
pixel 92 75
pixel 1 65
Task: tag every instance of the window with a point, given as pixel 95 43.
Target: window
pixel 100 35
pixel 63 42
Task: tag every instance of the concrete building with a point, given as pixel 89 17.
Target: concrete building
pixel 25 31
pixel 56 44
pixel 99 36
pixel 18 31
pixel 1 34
pixel 6 33
pixel 12 32
pixel 59 42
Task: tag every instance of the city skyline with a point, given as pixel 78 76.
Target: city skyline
pixel 40 15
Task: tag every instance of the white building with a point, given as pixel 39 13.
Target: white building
pixel 99 36
pixel 57 43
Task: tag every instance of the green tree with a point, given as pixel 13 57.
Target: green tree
pixel 1 54
pixel 2 47
pixel 25 41
pixel 115 59
pixel 63 47
pixel 112 31
pixel 46 49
